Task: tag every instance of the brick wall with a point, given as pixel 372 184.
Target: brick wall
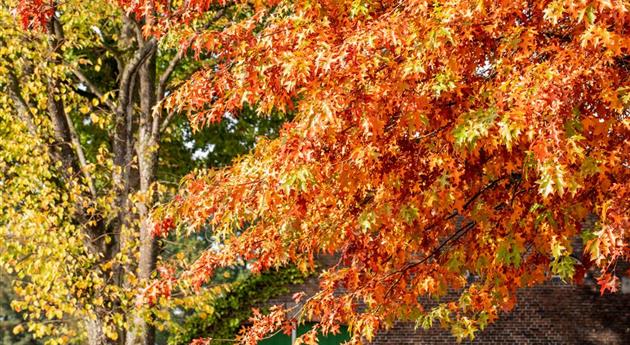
pixel 554 313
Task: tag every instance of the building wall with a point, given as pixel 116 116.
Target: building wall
pixel 555 313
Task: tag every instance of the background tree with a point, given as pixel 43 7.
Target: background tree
pixel 436 145
pixel 9 319
pixel 85 151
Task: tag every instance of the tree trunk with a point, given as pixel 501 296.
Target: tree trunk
pixel 141 332
pixel 131 136
pixel 96 334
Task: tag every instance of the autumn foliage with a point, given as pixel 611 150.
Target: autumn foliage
pixel 432 142
pixel 436 146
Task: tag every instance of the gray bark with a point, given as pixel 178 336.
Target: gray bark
pixel 135 141
pixel 95 333
pixel 141 332
pixel 128 146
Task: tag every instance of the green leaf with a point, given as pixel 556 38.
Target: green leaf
pixel 590 14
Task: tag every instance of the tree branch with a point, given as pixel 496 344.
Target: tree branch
pixel 181 53
pixel 436 251
pixel 165 76
pixel 169 70
pixel 23 110
pixel 166 121
pixel 130 70
pixel 485 188
pixel 453 237
pixel 56 110
pixel 86 81
pixel 64 134
pixel 64 128
pixel 83 165
pixel 115 53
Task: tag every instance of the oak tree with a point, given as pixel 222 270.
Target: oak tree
pixel 436 146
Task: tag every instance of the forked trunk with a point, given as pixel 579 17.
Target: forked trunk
pixel 141 332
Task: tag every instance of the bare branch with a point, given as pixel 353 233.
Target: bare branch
pixel 169 70
pixel 490 185
pixel 165 76
pixel 115 53
pixel 166 121
pixel 130 70
pixel 83 165
pixel 135 26
pixel 64 128
pixel 86 81
pixel 23 110
pixel 181 53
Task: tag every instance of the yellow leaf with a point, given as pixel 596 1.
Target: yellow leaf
pixel 18 329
